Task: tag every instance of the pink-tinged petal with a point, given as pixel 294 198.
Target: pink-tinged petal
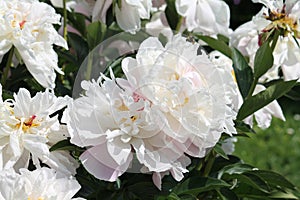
pixel 99 163
pixel 100 10
pixel 119 151
pixel 156 177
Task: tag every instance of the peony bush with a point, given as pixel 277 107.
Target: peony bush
pixel 141 99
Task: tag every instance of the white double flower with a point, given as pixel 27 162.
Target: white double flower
pixel 28 26
pixel 173 102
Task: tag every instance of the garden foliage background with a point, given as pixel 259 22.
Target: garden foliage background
pixel 252 171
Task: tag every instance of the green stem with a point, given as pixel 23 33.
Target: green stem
pixel 210 161
pixel 89 66
pixel 253 85
pixel 65 31
pixel 7 67
pixel 178 26
pixel 275 39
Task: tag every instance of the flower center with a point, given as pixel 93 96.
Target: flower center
pixel 283 22
pixel 40 198
pixel 26 125
pixel 21 24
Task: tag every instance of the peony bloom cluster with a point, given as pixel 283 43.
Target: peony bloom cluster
pixel 173 103
pixel 43 183
pixel 28 128
pixel 28 26
pixel 277 15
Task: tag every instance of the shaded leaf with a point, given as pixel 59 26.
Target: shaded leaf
pixel 171 14
pixel 196 185
pixel 95 34
pixel 242 71
pixel 263 60
pixel 80 46
pixel 256 102
pixel 218 149
pixel 273 179
pixel 216 44
pixel 237 168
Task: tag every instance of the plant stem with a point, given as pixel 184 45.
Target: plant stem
pixel 7 67
pixel 178 26
pixel 65 31
pixel 253 85
pixel 210 161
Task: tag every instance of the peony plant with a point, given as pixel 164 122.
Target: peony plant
pixel 141 99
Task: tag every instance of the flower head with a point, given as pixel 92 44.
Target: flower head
pixel 43 183
pixel 27 130
pixel 28 26
pixel 171 103
pixel 280 17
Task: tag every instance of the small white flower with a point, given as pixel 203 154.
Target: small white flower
pixel 43 183
pixel 276 16
pixel 27 130
pixel 28 26
pixel 209 17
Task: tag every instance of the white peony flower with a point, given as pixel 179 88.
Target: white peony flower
pixel 263 116
pixel 43 183
pixel 28 26
pixel 280 16
pixel 173 103
pixel 128 13
pixel 27 131
pixel 209 17
pixel 120 124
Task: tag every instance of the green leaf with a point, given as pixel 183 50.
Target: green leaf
pixel 263 60
pixel 251 180
pixel 195 185
pixel 218 149
pixel 227 194
pixel 237 168
pixel 144 190
pixel 80 46
pixel 273 179
pixel 63 145
pixel 256 102
pixel 244 190
pixel 243 128
pixel 242 71
pixel 216 44
pixel 171 14
pixel 223 38
pixel 77 21
pixel 95 34
pixel 283 195
pixel 173 196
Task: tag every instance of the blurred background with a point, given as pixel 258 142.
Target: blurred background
pixel 278 147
